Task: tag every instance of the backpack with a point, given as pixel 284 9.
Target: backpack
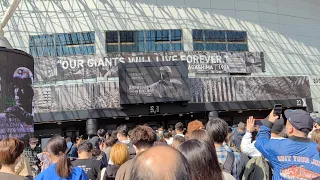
pixel 258 168
pixel 228 164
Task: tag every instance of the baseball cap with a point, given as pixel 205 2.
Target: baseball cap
pixel 317 120
pixel 277 126
pixel 300 119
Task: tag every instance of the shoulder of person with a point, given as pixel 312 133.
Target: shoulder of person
pixel 126 165
pixel 227 176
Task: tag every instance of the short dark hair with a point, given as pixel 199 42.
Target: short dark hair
pixel 143 137
pixel 202 159
pixel 177 140
pixel 123 130
pixel 217 130
pixel 110 141
pixel 101 132
pixel 10 150
pixel 85 146
pixel 179 126
pixel 166 134
pixel 114 134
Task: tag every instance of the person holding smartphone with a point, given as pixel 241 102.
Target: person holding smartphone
pixel 295 156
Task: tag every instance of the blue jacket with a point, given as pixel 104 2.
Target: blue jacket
pixel 51 174
pixel 292 158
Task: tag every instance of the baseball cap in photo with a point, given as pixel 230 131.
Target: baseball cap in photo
pixel 300 119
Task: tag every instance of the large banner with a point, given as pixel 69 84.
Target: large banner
pixel 95 66
pixel 150 82
pixel 16 94
pixel 100 95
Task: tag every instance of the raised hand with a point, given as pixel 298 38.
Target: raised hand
pixel 250 124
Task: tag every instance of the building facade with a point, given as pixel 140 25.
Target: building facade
pixel 258 52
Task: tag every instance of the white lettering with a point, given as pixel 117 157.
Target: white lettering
pixel 219 59
pixel 183 57
pixel 203 59
pixel 174 57
pixel 189 59
pixel 65 64
pixel 90 63
pixel 80 63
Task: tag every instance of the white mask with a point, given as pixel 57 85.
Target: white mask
pixel 33 146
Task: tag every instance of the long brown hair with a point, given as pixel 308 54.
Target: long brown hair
pixel 57 146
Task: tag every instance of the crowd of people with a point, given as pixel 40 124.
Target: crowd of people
pixel 278 147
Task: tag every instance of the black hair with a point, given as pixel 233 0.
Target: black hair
pixel 114 134
pixel 166 134
pixel 85 146
pixel 57 146
pixel 123 130
pixel 217 130
pixel 179 127
pixel 179 139
pixel 101 133
pixel 202 159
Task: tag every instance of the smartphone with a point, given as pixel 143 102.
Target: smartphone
pixel 277 109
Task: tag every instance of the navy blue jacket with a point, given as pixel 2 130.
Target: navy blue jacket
pixel 291 158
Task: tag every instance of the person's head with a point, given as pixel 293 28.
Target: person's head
pixel 78 140
pixel 84 149
pixel 277 128
pixel 179 128
pixel 202 159
pixel 316 123
pixel 200 135
pixel 299 123
pixel 109 142
pixel 165 73
pixel 143 138
pixel 129 133
pixel 57 149
pixel 10 151
pixel 153 164
pixel 217 130
pixel 119 154
pixel 193 126
pixel 241 127
pixel 166 135
pixel 68 139
pixel 23 91
pixel 33 142
pixel 122 132
pixel 177 140
pixel 315 137
pixel 101 133
pixel 114 134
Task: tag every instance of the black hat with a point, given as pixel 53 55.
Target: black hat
pixel 277 126
pixel 300 119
